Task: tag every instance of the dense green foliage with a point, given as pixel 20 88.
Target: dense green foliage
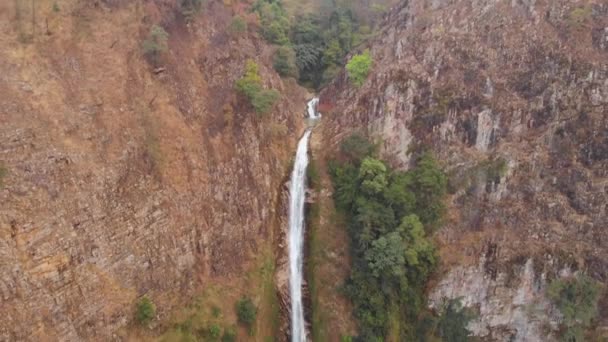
pixel 145 311
pixel 577 299
pixel 155 44
pixel 358 68
pixel 250 85
pixel 392 254
pixel 273 21
pixel 453 321
pixel 246 311
pixel 356 147
pixel 319 41
pixel 285 62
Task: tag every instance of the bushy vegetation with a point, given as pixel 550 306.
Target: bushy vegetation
pixel 250 85
pixel 145 311
pixel 453 321
pixel 238 25
pixel 3 174
pixel 246 311
pixel 319 41
pixel 229 335
pixel 155 44
pixel 579 16
pixel 285 62
pixel 358 68
pixel 189 8
pixel 390 216
pixel 577 300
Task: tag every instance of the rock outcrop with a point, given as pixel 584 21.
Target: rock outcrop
pixel 122 179
pixel 512 96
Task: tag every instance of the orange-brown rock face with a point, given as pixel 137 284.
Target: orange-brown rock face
pixel 512 96
pixel 123 180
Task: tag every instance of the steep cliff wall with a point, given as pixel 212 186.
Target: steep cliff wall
pixel 122 180
pixel 512 96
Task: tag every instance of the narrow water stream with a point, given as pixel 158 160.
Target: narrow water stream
pixel 297 193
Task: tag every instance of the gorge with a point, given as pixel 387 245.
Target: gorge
pixel 149 189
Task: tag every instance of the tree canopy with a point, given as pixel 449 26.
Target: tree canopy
pixel 393 255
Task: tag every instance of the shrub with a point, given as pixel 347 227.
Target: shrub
pixel 356 147
pixel 577 299
pixel 285 62
pixel 145 311
pixel 453 321
pixel 216 312
pixel 229 335
pixel 238 26
pixel 264 100
pixel 156 44
pixel 246 311
pixel 189 8
pixel 358 68
pixel 215 332
pixel 55 7
pixel 3 174
pixel 250 85
pixel 580 15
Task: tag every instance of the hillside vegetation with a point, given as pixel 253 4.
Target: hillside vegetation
pixel 318 34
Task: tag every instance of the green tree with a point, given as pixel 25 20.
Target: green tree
pixel 399 195
pixel 430 185
pixel 373 176
pixel 358 68
pixel 356 147
pixel 387 256
pixel 453 321
pixel 145 310
pixel 264 100
pixel 345 184
pixel 156 44
pixel 577 300
pixel 246 311
pixel 285 62
pixel 273 20
pixel 250 85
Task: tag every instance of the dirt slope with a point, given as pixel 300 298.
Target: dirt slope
pixel 121 181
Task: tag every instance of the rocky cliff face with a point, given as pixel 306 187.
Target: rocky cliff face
pixel 122 180
pixel 512 97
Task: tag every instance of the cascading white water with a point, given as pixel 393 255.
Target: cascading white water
pixel 312 108
pixel 297 192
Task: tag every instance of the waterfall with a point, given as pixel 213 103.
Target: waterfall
pixel 312 108
pixel 297 192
